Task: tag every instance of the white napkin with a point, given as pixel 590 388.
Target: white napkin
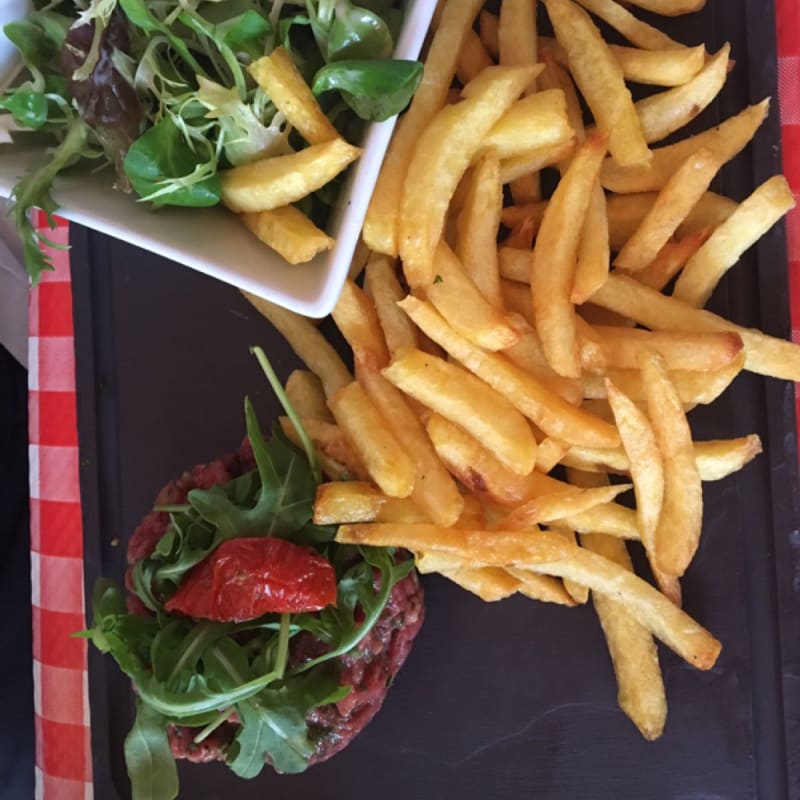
pixel 13 291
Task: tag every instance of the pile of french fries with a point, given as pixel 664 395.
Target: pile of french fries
pixel 263 191
pixel 501 335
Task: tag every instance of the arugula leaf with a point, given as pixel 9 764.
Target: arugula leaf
pixel 285 498
pixel 272 727
pixel 339 626
pixel 375 90
pixel 151 767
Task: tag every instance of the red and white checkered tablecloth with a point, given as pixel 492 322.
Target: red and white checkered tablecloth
pixel 61 699
pixel 61 703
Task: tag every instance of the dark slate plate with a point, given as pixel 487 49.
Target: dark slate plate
pixel 509 700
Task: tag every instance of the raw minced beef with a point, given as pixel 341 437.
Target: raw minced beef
pixel 369 669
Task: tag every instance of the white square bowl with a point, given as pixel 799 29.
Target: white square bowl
pixel 213 240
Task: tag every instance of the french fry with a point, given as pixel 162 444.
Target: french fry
pixel 434 492
pixel 646 464
pixel 556 77
pixel 533 160
pixel 305 393
pixel 715 459
pixel 538 120
pixel 514 263
pixel 513 215
pixel 764 354
pixel 679 196
pixel 549 454
pixel 307 342
pixel 745 226
pixel 489 583
pixel 660 615
pixel 671 259
pixel 660 67
pixel 481 547
pixel 357 320
pixel 474 466
pixel 594 253
pixel 579 593
pixel 711 211
pixel 610 518
pixel 492 583
pixel 601 82
pixel 626 212
pixel 633 29
pixel 681 519
pixel 593 355
pixel 517 43
pixel 340 502
pixel 488 26
pixel 459 300
pixel 380 224
pixel 527 354
pixel 670 8
pixel 693 387
pixel 663 113
pixel 551 413
pixel 725 141
pixel 552 506
pixel 517 298
pixel 440 158
pixel 279 180
pixel 278 75
pixel 623 348
pixel 478 224
pixel 472 58
pixel 640 691
pixel 365 428
pixel 665 620
pixel 461 397
pixel 382 285
pixel 338 459
pixel 541 587
pixel 289 232
pixel 554 258
pixel 516 33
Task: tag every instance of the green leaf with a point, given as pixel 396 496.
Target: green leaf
pixel 163 167
pixel 357 32
pixel 34 190
pixel 285 499
pixel 375 90
pixel 279 731
pixel 342 631
pixel 29 109
pixel 140 15
pixel 246 33
pixel 37 48
pixel 151 767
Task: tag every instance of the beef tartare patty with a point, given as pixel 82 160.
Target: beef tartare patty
pixel 369 669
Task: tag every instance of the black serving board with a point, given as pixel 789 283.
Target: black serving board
pixel 508 700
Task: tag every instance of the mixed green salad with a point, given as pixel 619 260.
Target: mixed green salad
pixel 159 89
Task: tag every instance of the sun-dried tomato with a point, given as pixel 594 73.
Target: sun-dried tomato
pixel 245 578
